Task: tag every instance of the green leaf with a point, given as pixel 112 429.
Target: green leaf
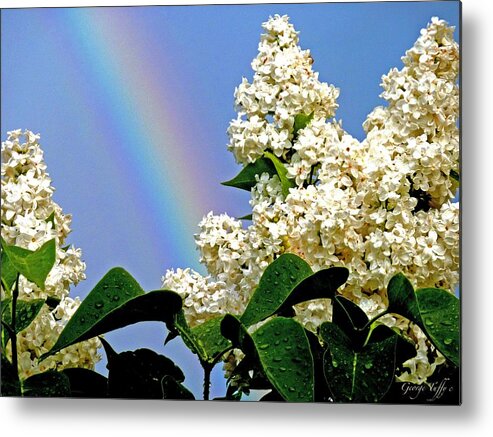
pixel 434 310
pixel 270 164
pixel 115 302
pixel 212 342
pixel 440 312
pixel 281 171
pixel 359 375
pixel 246 217
pixel 139 374
pixel 454 175
pixel 51 219
pixel 204 340
pixel 48 384
pixel 10 385
pixel 287 281
pixel 245 179
pixel 34 266
pixel 300 122
pixel 26 312
pixel 284 353
pixel 276 284
pixel 9 273
pixel 85 383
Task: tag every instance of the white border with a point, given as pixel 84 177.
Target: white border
pixel 26 417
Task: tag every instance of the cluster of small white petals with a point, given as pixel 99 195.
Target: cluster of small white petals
pixel 284 85
pixel 30 218
pixel 378 207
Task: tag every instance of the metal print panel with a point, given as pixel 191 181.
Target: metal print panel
pixel 253 202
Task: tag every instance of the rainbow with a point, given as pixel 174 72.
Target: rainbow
pixel 148 118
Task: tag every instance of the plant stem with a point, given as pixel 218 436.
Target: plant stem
pixel 311 175
pixel 207 380
pixel 13 336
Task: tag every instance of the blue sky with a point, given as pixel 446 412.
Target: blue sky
pixel 133 105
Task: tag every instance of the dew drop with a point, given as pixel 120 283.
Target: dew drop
pixel 116 298
pixel 335 363
pixel 368 365
pixel 297 360
pixel 263 346
pixel 277 359
pixel 282 369
pixel 277 342
pixel 99 305
pixel 448 341
pixel 292 389
pixel 288 347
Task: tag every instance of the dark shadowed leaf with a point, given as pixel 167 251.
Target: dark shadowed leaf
pixel 48 384
pixel 85 383
pixel 351 319
pixel 139 374
pixel 172 389
pixel 10 385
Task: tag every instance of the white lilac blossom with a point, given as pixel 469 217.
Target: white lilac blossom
pixel 27 222
pixel 380 206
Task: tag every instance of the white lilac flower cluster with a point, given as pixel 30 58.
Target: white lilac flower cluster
pixel 378 207
pixel 30 218
pixel 284 85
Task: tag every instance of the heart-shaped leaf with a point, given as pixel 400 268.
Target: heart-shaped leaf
pixel 434 310
pixel 34 266
pixel 363 375
pixel 281 349
pixel 287 281
pixel 284 353
pixel 48 384
pixel 115 302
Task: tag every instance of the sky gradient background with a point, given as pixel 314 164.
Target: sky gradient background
pixel 133 104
